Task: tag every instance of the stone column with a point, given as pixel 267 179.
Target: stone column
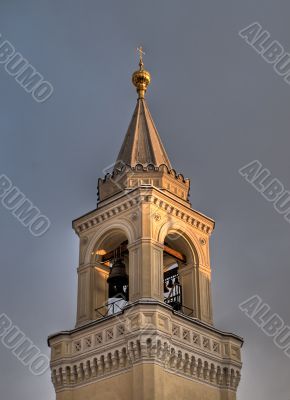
pixel 205 298
pixel 85 293
pixel 188 282
pixel 146 270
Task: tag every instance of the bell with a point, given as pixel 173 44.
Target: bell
pixel 118 279
pixel 170 284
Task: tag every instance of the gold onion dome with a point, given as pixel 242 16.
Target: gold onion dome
pixel 141 78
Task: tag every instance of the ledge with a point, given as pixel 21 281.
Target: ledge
pixel 194 321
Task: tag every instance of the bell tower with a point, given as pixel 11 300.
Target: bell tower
pixel 144 328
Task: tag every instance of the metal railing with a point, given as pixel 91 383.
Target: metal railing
pixel 189 312
pixel 115 306
pixel 111 307
pixel 174 302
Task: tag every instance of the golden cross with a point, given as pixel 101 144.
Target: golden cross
pixel 141 53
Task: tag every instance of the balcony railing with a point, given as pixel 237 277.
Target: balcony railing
pixel 113 306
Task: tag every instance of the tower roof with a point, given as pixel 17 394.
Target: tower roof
pixel 142 143
pixel 142 159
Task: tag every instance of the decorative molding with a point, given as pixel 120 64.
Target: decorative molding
pixel 142 168
pixel 119 359
pixel 157 217
pixel 127 177
pixel 142 334
pixel 95 218
pixel 202 241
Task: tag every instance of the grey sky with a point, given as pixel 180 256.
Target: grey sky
pixel 217 106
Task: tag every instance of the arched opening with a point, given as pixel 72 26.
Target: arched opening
pixel 179 274
pixel 111 259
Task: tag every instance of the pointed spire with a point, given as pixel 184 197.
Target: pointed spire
pixel 142 143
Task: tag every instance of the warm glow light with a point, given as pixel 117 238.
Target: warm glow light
pixel 105 274
pixel 100 252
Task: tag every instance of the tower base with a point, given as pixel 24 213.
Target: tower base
pixel 146 352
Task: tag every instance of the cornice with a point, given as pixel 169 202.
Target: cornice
pixel 135 198
pixel 121 360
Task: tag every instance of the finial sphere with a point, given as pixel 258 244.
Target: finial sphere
pixel 141 79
